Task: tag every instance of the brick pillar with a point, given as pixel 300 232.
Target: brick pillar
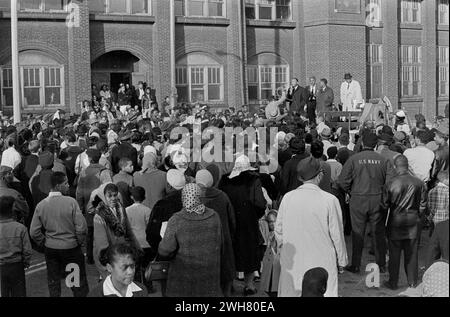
pixel 390 52
pixel 235 57
pixel 429 59
pixel 298 69
pixel 79 58
pixel 161 44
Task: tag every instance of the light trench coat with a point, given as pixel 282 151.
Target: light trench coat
pixel 351 95
pixel 309 230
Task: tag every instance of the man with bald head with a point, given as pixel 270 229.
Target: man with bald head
pixel 405 200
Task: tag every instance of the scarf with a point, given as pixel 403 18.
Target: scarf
pixel 190 197
pixel 115 223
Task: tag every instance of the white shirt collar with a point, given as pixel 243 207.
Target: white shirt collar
pixel 54 194
pixel 109 289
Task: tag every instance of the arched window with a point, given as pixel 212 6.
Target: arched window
pixel 41 78
pixel 266 73
pixel 199 78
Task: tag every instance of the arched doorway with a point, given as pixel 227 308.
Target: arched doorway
pixel 117 67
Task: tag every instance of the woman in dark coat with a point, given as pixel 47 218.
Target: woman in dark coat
pixel 193 240
pixel 218 201
pixel 243 187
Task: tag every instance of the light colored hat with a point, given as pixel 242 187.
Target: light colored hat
pixel 204 178
pixel 242 164
pixel 150 149
pixel 401 114
pixel 326 132
pixel 176 179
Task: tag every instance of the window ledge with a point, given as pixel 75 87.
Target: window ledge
pixel 279 24
pixel 35 15
pixel 443 98
pixel 135 18
pixel 202 20
pixel 412 26
pixel 411 99
pixel 441 27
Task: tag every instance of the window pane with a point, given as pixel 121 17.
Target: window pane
pixel 182 94
pixel 253 92
pixel 266 94
pixel 250 13
pixel 283 9
pixel 197 94
pixel 179 8
pixel 215 8
pixel 47 77
pixel 54 5
pixel 52 96
pixel 214 92
pixel 265 13
pixel 32 96
pixel 97 5
pixel 139 6
pixel 117 6
pixel 58 77
pixel 8 95
pixel 30 4
pixel 37 80
pixel 196 8
pixel 5 4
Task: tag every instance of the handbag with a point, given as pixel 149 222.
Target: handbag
pixel 157 271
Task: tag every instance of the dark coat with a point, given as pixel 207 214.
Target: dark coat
pixel 405 198
pixel 69 163
pixel 162 211
pixel 297 100
pixel 41 185
pixel 289 179
pixel 438 247
pixel 245 193
pixel 218 201
pixel 195 244
pixel 124 149
pixel 325 99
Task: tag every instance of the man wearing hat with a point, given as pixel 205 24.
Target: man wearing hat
pixel 289 179
pixel 384 142
pixel 124 149
pixel 364 176
pixel 326 136
pixel 441 161
pixel 309 226
pixel 351 95
pixel 400 124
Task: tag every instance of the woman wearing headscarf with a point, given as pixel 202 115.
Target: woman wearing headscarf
pixel 151 179
pixel 111 224
pixel 244 189
pixel 218 201
pixel 193 241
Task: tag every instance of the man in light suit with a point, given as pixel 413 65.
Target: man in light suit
pixel 296 98
pixel 325 96
pixel 351 94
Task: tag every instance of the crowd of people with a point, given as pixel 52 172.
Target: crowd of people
pixel 111 188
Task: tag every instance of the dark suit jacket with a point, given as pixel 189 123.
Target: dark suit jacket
pixel 438 247
pixel 325 99
pixel 297 100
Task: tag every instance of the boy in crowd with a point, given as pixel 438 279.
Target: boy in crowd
pixel 124 180
pixel 15 251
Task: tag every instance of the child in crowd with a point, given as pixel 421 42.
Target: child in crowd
pixel 336 167
pixel 124 180
pixel 121 265
pixel 271 262
pixel 138 216
pixel 15 251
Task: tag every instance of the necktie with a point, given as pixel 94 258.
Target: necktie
pixel 348 86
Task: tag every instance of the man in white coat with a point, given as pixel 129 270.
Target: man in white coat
pixel 310 231
pixel 351 94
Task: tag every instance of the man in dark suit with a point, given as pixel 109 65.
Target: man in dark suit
pixel 405 199
pixel 438 247
pixel 296 98
pixel 325 96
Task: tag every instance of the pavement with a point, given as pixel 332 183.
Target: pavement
pixel 350 285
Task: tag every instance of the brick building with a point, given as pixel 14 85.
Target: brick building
pixel 228 52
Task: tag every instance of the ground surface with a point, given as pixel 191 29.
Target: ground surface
pixel 350 285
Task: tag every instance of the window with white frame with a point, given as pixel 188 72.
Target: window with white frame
pixel 43 5
pixel 443 15
pixel 120 6
pixel 374 10
pixel 199 78
pixel 5 4
pixel 264 80
pixel 443 71
pixel 375 62
pixel 411 70
pixel 200 8
pixel 268 9
pixel 41 78
pixel 411 11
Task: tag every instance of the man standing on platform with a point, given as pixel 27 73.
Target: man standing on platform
pixel 351 94
pixel 311 100
pixel 325 97
pixel 296 98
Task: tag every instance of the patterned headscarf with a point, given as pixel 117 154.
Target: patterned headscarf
pixel 435 280
pixel 190 196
